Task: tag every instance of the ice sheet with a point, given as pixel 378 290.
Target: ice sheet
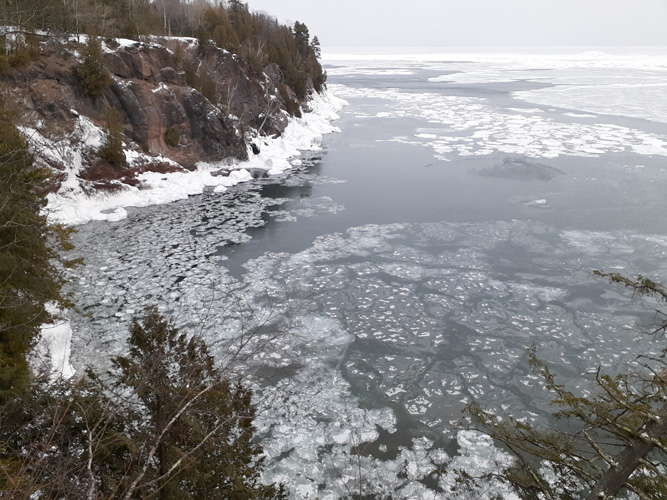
pixel 470 126
pixel 626 82
pixel 637 100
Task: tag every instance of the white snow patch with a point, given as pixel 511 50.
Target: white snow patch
pixel 156 188
pixel 162 87
pixel 72 206
pixel 55 342
pixel 579 115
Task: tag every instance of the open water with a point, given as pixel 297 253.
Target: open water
pixel 402 272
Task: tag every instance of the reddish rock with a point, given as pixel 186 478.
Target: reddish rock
pixel 149 89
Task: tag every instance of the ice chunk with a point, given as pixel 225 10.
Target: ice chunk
pixel 55 343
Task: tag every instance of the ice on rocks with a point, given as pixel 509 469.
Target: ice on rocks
pixel 55 344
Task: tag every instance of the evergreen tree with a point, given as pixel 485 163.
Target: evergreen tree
pixel 257 38
pixel 164 423
pixel 64 439
pixel 315 45
pixel 197 425
pixel 301 35
pixel 92 73
pixel 225 37
pixel 241 20
pixel 219 29
pixel 28 276
pixel 112 149
pixel 619 442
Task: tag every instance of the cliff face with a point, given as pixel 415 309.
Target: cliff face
pixel 154 87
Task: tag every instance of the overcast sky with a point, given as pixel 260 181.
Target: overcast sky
pixel 476 22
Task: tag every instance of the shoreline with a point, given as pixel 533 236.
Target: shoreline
pixel 71 206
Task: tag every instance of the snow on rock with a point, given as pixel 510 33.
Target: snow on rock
pixel 302 134
pixel 71 205
pixel 67 151
pixel 156 188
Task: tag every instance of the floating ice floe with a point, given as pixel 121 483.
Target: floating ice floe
pixel 398 327
pixel 635 100
pixel 474 128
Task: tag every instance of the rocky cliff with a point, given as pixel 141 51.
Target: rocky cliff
pixel 178 105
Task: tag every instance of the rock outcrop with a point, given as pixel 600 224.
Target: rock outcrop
pixel 210 104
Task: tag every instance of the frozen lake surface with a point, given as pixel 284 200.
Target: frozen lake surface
pixel 454 222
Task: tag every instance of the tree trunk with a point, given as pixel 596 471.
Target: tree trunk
pixel 628 460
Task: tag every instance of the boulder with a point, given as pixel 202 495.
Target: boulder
pixel 170 76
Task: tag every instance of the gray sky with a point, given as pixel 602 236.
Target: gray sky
pixel 476 22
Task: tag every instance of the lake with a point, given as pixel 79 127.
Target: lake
pixel 402 272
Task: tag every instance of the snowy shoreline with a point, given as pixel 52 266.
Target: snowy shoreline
pixel 71 206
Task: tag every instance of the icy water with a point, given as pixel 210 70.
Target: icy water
pixel 402 272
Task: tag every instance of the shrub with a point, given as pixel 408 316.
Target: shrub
pixel 291 106
pixel 18 58
pixel 191 77
pixel 203 41
pixel 112 149
pixel 209 88
pixel 32 46
pixel 172 137
pixel 179 54
pixel 22 50
pixel 92 74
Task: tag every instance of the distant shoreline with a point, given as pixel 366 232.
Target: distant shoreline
pixel 335 51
